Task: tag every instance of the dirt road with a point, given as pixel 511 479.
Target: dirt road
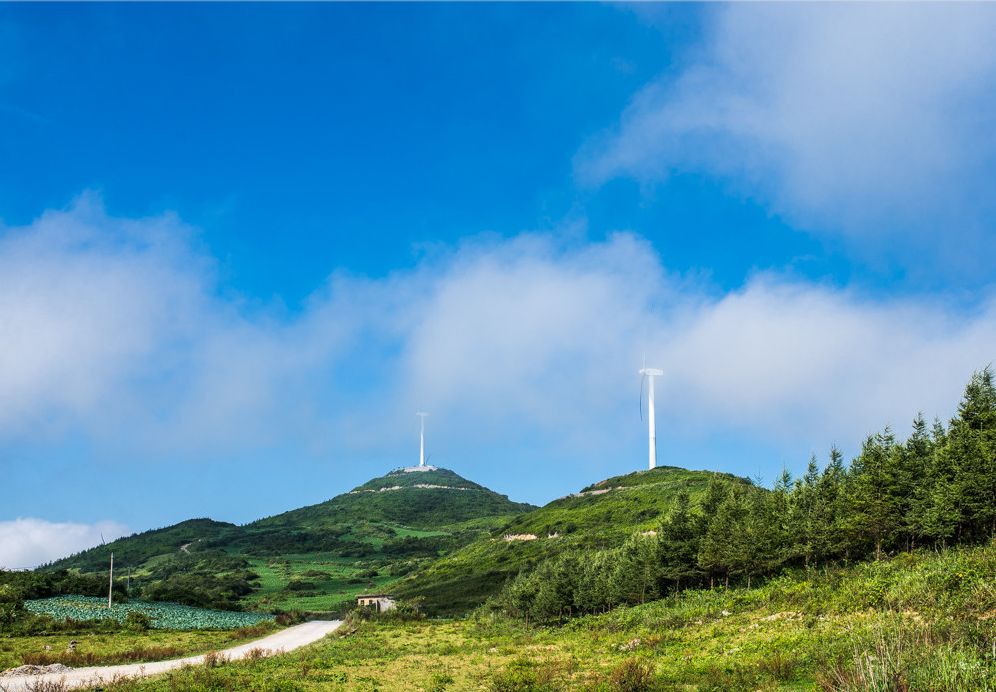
pixel 278 642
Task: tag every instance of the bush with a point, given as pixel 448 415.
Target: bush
pixel 632 675
pixel 137 621
pixel 523 675
pixel 213 659
pixel 290 617
pixel 11 605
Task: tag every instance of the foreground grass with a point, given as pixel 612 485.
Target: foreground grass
pixel 916 622
pixel 109 648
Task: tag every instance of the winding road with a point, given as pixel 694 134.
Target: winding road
pixel 279 642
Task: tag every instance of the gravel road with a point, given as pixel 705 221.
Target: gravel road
pixel 278 642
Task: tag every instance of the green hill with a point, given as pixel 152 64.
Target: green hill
pixel 601 515
pixel 141 547
pixel 431 499
pixel 312 558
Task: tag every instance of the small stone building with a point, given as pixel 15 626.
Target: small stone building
pixel 380 602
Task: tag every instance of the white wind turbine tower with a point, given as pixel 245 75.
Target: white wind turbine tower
pixel 421 438
pixel 650 374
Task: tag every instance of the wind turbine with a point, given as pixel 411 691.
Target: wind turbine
pixel 421 438
pixel 650 374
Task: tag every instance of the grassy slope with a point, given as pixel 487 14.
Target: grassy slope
pixel 142 547
pixel 439 508
pixel 602 515
pixel 319 557
pixel 924 621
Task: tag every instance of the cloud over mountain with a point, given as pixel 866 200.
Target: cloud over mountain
pixel 124 336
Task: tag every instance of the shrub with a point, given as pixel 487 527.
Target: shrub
pixel 779 666
pixel 439 682
pixel 290 617
pixel 213 659
pixel 523 675
pixel 137 621
pixel 632 675
pixel 254 654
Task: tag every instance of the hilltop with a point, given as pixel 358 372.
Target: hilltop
pixel 312 558
pixel 601 515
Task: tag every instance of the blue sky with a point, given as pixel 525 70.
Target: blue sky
pixel 243 244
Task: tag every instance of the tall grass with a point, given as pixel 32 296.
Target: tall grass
pixel 911 657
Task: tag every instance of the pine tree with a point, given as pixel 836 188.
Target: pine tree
pixel 762 539
pixel 802 527
pixel 875 493
pixel 679 545
pixel 919 465
pixel 829 507
pixel 720 552
pixel 971 445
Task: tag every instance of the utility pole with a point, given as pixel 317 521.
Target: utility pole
pixel 110 585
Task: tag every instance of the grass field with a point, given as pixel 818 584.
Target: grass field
pixel 916 622
pixel 315 582
pixel 104 648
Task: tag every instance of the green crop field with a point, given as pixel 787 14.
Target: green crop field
pixel 161 615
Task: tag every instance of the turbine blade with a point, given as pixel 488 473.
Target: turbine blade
pixel 643 379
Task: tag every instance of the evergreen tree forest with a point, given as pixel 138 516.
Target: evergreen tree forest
pixel 934 490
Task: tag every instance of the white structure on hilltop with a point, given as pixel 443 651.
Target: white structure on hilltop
pixel 650 374
pixel 421 438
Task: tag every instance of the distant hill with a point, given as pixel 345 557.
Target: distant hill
pixel 312 558
pixel 141 547
pixel 601 515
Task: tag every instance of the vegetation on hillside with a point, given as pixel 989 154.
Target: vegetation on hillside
pixel 314 558
pixel 937 488
pixel 921 620
pixel 601 516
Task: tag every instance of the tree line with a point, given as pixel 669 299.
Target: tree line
pixel 935 489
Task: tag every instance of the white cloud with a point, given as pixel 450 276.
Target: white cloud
pixel 802 362
pixel 116 330
pixel 27 543
pixel 865 119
